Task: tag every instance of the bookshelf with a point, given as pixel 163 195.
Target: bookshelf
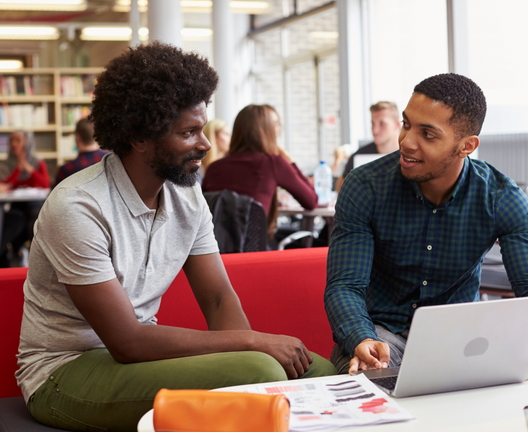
pixel 48 102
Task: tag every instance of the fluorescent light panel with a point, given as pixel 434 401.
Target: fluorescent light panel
pixel 11 64
pixel 247 7
pixel 125 33
pixel 28 33
pixel 328 35
pixel 50 5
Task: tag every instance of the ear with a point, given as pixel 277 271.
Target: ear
pixel 139 146
pixel 469 145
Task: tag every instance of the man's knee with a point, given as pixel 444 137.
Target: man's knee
pixel 320 367
pixel 258 367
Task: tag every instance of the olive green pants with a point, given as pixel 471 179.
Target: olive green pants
pixel 96 393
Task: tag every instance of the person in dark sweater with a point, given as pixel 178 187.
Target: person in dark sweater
pixel 385 130
pixel 89 151
pixel 256 165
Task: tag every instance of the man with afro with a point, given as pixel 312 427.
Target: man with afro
pixel 110 240
pixel 413 227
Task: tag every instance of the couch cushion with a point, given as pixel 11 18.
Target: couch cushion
pixel 281 292
pixel 11 307
pixel 14 417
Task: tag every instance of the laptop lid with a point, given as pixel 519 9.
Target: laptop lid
pixel 465 345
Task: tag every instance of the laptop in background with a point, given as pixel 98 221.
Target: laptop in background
pixel 362 159
pixel 461 346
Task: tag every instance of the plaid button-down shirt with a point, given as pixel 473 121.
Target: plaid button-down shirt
pixel 85 159
pixel 393 250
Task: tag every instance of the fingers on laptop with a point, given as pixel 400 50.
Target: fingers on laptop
pixel 370 354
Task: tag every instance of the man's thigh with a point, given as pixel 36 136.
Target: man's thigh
pixel 94 392
pixel 396 344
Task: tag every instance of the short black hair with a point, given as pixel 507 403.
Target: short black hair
pixel 142 92
pixel 462 95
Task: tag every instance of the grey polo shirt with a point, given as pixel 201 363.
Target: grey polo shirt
pixel 92 228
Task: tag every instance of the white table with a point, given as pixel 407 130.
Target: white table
pixel 20 195
pixel 491 409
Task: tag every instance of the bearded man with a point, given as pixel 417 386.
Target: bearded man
pixel 108 243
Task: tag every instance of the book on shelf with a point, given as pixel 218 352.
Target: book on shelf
pixel 4 143
pixel 68 147
pixel 26 85
pixel 23 115
pixel 70 114
pixel 78 85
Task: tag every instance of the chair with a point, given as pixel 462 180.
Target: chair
pixel 240 223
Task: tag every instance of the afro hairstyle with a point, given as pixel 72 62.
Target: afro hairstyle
pixel 142 92
pixel 462 95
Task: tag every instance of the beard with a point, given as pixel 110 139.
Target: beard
pixel 166 167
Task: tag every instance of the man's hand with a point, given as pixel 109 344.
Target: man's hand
pixel 370 354
pixel 289 351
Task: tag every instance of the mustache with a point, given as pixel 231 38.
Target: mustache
pixel 195 156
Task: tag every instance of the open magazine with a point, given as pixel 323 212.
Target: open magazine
pixel 330 403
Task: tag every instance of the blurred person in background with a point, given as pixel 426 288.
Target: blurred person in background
pixel 219 136
pixel 385 130
pixel 25 170
pixel 256 165
pixel 89 151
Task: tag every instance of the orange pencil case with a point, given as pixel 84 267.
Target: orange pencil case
pixel 207 411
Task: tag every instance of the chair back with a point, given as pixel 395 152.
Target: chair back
pixel 240 222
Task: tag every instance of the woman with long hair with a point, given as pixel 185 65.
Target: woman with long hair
pixel 255 165
pixel 219 136
pixel 22 169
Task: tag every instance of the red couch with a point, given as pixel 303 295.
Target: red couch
pixel 281 292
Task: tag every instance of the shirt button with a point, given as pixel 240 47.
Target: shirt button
pixel 429 247
pixel 150 216
pixel 148 270
pixel 434 211
pixel 414 305
pixel 424 283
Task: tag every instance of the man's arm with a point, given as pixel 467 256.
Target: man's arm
pixel 512 222
pixel 109 311
pixel 348 273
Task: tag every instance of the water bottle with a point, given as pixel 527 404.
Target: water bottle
pixel 323 183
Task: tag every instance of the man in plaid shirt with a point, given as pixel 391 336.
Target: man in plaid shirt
pixel 413 227
pixel 89 151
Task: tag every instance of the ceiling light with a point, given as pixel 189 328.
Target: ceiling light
pixel 327 35
pixel 28 33
pixel 143 34
pixel 250 7
pixel 125 34
pixel 51 5
pixel 246 7
pixel 11 64
pixel 124 5
pixel 106 33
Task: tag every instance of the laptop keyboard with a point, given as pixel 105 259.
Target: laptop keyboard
pixel 386 382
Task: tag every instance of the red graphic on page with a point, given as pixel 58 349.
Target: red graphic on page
pixel 377 406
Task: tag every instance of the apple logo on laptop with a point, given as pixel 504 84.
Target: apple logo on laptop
pixel 476 347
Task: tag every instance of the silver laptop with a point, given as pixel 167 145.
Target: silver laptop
pixel 461 346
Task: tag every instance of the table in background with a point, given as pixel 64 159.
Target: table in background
pixel 307 222
pixel 489 409
pixel 20 195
